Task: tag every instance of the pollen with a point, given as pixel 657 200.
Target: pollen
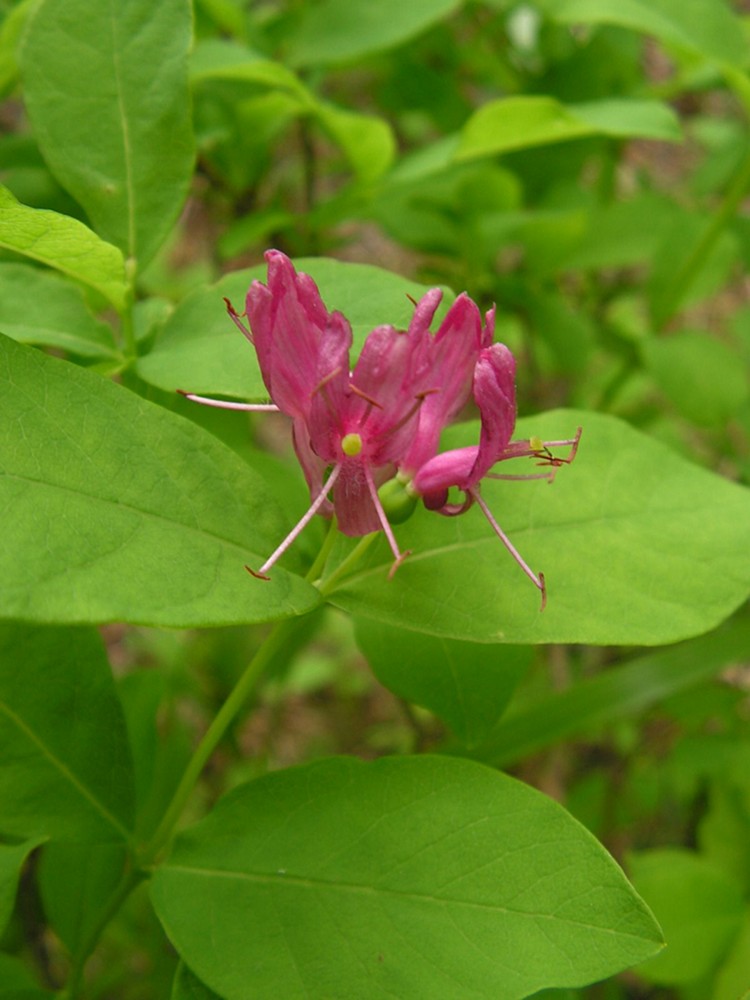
pixel 351 444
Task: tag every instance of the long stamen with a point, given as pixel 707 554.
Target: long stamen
pixel 235 317
pixel 223 404
pixel 418 400
pixel 299 527
pixel 535 448
pixel 387 529
pixel 538 581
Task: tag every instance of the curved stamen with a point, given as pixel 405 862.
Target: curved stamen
pixel 299 527
pixel 387 529
pixel 235 317
pixel 538 581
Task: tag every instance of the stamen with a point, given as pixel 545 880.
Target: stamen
pixel 363 395
pixel 299 527
pixel 387 529
pixel 538 581
pixel 536 448
pixel 418 400
pixel 223 404
pixel 235 317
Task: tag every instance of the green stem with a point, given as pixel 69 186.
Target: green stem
pixel 126 316
pixel 351 560
pixel 685 274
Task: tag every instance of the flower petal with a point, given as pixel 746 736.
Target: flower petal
pixel 495 395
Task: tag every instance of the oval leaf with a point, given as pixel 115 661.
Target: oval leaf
pixel 637 545
pixel 403 878
pixel 65 768
pixel 63 243
pixel 117 137
pixel 116 509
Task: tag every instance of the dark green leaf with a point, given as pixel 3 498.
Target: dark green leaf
pixel 405 878
pixel 12 858
pixel 116 509
pixel 467 684
pixel 66 771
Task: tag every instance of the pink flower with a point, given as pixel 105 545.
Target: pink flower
pixel 354 431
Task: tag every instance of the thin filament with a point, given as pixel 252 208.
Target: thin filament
pixel 222 404
pixel 387 529
pixel 538 581
pixel 299 527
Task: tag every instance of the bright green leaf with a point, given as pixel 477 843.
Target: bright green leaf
pixel 39 308
pixel 116 509
pixel 637 545
pixel 699 907
pixel 202 351
pixel 10 33
pixel 708 27
pixel 106 87
pixel 335 31
pixel 512 123
pixel 734 974
pixel 63 243
pixel 366 141
pixel 65 763
pixel 465 683
pixel 12 858
pixel 404 878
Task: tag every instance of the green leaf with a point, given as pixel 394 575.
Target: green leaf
pixel 366 141
pixel 699 907
pixel 16 982
pixel 705 380
pixel 106 87
pixel 66 771
pixel 12 858
pixel 116 509
pixel 637 545
pixel 734 974
pixel 40 308
pixel 622 691
pixel 402 878
pixel 10 33
pixel 63 243
pixel 512 123
pixel 708 27
pixel 202 351
pixel 335 31
pixel 467 684
pixel 76 881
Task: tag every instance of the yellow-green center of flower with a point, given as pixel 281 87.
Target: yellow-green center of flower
pixel 351 444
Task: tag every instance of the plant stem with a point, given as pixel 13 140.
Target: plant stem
pixel 351 560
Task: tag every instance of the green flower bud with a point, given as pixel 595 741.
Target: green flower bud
pixel 397 503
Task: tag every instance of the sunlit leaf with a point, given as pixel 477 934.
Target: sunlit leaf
pixel 422 876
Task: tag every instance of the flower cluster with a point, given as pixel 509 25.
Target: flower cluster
pixel 367 439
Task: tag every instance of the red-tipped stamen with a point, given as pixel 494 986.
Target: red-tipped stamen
pixel 300 526
pixel 538 581
pixel 222 404
pixel 387 529
pixel 235 317
pixel 524 449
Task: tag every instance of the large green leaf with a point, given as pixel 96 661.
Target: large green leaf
pixel 116 509
pixel 335 31
pixel 12 858
pixel 65 768
pixel 638 546
pixel 468 684
pixel 40 308
pixel 106 85
pixel 705 26
pixel 406 878
pixel 63 243
pixel 512 123
pixel 202 351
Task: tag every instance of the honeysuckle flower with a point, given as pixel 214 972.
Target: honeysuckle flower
pixel 369 436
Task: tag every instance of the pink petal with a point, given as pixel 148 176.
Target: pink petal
pixel 495 395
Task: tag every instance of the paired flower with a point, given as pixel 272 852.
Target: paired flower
pixel 364 435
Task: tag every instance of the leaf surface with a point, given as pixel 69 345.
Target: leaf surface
pixel 117 509
pixel 407 878
pixel 637 545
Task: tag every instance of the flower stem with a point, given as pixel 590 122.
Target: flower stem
pixel 351 560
